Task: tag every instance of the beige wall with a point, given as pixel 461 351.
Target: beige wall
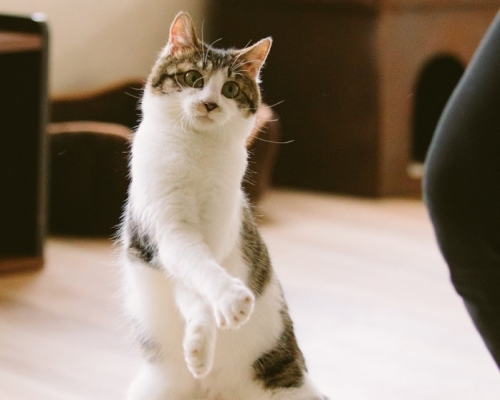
pixel 97 42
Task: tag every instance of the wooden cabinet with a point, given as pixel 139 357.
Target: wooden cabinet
pixel 23 117
pixel 348 73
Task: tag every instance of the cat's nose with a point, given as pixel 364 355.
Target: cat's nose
pixel 210 106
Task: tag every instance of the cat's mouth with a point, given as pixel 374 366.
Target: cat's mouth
pixel 205 119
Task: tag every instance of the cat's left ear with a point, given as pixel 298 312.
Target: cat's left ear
pixel 182 34
pixel 253 57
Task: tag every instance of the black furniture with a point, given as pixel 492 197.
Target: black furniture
pixel 23 118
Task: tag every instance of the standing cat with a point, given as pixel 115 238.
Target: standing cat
pixel 206 304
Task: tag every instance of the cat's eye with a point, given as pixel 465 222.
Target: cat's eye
pixel 230 89
pixel 193 79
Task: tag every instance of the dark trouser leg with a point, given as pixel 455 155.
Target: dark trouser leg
pixel 462 188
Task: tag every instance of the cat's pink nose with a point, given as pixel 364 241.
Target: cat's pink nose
pixel 210 106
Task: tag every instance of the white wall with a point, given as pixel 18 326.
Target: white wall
pixel 98 42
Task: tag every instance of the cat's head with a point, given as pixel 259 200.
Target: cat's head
pixel 200 87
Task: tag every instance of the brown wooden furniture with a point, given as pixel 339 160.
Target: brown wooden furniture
pixel 350 74
pixel 23 115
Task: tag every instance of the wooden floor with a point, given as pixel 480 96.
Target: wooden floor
pixel 374 310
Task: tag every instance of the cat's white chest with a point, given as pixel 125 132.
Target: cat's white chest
pixel 192 177
pixel 219 203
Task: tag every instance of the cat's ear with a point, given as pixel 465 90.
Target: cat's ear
pixel 182 34
pixel 254 57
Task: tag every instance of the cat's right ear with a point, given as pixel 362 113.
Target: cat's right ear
pixel 253 57
pixel 182 35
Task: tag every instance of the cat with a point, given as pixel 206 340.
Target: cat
pixel 206 305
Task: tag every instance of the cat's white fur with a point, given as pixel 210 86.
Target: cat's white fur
pixel 187 167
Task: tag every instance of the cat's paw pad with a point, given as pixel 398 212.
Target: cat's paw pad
pixel 198 353
pixel 235 306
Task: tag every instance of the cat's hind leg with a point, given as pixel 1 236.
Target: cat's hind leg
pixel 200 331
pixel 147 385
pixel 159 329
pixel 163 381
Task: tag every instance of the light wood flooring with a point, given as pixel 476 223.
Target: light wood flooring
pixel 375 314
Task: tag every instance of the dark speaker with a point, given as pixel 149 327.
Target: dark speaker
pixel 23 119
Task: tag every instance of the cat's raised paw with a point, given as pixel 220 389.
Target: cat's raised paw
pixel 235 306
pixel 198 353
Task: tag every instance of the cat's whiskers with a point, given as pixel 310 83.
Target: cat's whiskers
pixel 238 57
pixel 276 104
pixel 248 44
pixel 270 106
pixel 208 50
pixel 202 77
pixel 262 130
pixel 238 66
pixel 176 80
pixel 184 123
pixel 134 96
pixel 241 118
pixel 200 54
pixel 197 48
pixel 177 107
pixel 273 141
pixel 181 120
pixel 202 44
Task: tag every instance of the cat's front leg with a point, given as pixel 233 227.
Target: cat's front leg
pixel 200 331
pixel 188 259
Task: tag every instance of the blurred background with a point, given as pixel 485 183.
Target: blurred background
pixel 359 84
pixel 355 87
pixel 95 43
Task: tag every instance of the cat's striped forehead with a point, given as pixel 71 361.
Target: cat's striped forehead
pixel 203 58
pixel 165 77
